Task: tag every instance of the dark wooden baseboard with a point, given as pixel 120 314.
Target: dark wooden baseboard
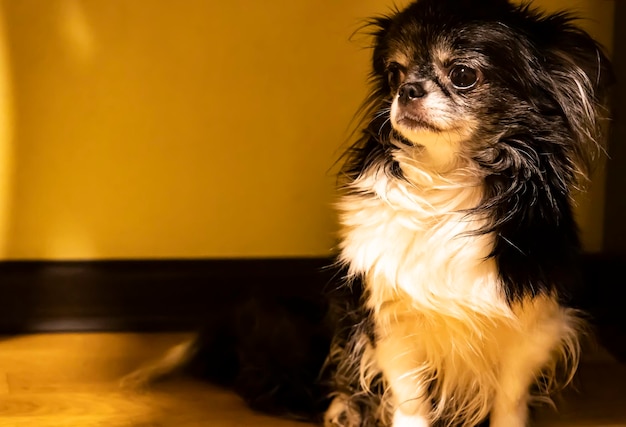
pixel 142 295
pixel 166 295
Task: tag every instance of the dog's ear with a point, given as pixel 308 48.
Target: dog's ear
pixel 574 49
pixel 578 76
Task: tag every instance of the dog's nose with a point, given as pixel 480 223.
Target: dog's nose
pixel 410 91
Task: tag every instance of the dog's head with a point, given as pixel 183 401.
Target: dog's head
pixel 486 81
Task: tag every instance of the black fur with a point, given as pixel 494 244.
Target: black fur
pixel 270 350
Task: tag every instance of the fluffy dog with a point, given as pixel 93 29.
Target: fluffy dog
pixel 458 237
pixel 456 213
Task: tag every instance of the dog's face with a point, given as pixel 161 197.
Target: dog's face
pixel 439 90
pixel 461 76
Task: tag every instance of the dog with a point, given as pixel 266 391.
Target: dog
pixel 457 214
pixel 458 241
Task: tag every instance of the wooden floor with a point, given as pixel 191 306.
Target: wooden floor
pixel 71 380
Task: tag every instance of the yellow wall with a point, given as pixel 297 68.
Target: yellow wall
pixel 189 128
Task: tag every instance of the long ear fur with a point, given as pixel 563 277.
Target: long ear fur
pixel 579 75
pixel 543 156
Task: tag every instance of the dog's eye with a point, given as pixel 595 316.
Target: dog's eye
pixel 463 77
pixel 394 75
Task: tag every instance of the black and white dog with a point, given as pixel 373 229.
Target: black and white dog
pixel 458 234
pixel 456 212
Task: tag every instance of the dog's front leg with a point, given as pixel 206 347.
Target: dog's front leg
pixel 397 358
pixel 524 356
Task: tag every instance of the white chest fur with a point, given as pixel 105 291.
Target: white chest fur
pixel 419 241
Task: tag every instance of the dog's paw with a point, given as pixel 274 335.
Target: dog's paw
pixel 403 420
pixel 342 413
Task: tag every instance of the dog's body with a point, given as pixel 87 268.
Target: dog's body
pixel 446 340
pixel 457 214
pixel 457 218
